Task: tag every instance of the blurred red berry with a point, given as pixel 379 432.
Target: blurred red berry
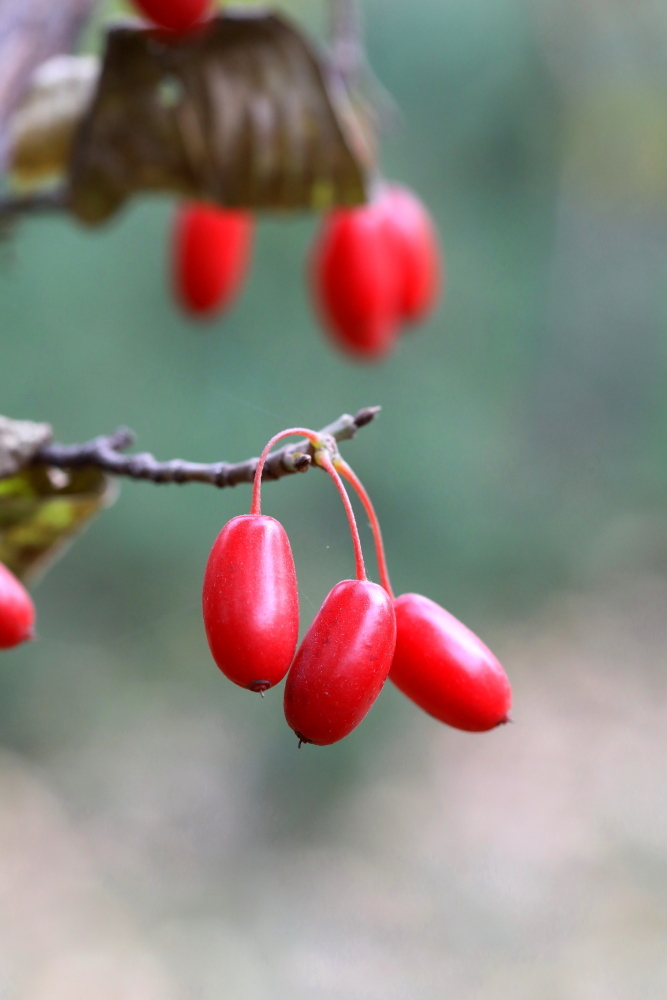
pixel 174 15
pixel 17 612
pixel 443 667
pixel 416 245
pixel 211 248
pixel 354 281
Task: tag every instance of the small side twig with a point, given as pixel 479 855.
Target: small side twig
pixel 13 206
pixel 349 63
pixel 105 453
pixel 346 45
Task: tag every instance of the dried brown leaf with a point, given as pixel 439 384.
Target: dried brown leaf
pixel 242 112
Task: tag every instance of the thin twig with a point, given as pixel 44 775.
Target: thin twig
pixel 346 45
pixel 348 62
pixel 105 453
pixel 13 206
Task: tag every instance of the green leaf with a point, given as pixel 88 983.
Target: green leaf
pixel 41 511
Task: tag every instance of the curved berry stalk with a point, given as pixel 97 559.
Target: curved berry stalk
pixel 211 255
pixel 346 654
pixel 175 15
pixel 17 612
pixel 250 595
pixel 439 663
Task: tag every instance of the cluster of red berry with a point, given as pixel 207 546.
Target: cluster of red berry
pixel 360 636
pixel 374 268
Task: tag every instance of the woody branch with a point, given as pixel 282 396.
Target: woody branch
pixel 105 453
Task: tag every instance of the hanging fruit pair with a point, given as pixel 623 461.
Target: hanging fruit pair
pixel 439 663
pixel 374 269
pixel 17 612
pixel 211 255
pixel 360 635
pixel 251 617
pixel 175 15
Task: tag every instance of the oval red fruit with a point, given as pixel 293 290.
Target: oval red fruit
pixel 342 663
pixel 251 602
pixel 416 245
pixel 353 276
pixel 212 249
pixel 175 15
pixel 17 612
pixel 443 667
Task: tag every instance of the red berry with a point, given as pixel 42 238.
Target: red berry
pixel 443 667
pixel 342 663
pixel 17 612
pixel 353 270
pixel 211 254
pixel 251 602
pixel 175 15
pixel 414 237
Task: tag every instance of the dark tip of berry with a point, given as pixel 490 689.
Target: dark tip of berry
pixel 506 720
pixel 302 739
pixel 260 686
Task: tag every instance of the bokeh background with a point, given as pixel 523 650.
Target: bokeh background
pixel 160 836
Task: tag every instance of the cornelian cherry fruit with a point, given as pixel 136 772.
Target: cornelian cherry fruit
pixel 414 237
pixel 175 15
pixel 251 603
pixel 446 669
pixel 354 281
pixel 17 612
pixel 342 663
pixel 211 254
pixel 438 663
pixel 346 653
pixel 250 596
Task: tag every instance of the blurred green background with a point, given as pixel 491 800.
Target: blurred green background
pixel 520 455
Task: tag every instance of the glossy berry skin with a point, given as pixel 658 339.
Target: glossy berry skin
pixel 342 663
pixel 413 235
pixel 211 254
pixel 17 612
pixel 251 602
pixel 443 667
pixel 353 277
pixel 174 15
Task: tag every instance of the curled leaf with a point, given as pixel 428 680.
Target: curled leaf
pixel 242 112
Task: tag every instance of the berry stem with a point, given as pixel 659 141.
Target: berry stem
pixel 323 458
pixel 312 436
pixel 345 470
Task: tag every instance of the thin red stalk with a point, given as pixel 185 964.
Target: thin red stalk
pixel 324 460
pixel 256 501
pixel 341 465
